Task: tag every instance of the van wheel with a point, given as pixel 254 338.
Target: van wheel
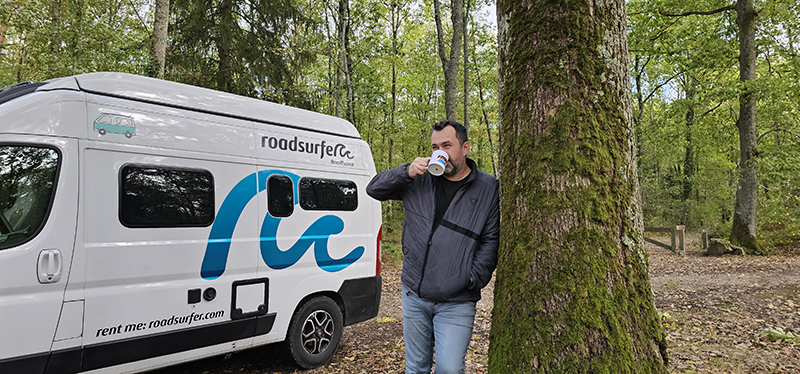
pixel 315 332
pixel 128 134
pixel 102 131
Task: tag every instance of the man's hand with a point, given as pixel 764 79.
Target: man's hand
pixel 418 167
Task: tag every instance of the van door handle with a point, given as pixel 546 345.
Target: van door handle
pixel 49 266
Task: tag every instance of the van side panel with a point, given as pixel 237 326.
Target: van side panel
pixel 345 245
pixel 150 125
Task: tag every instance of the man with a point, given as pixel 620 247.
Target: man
pixel 450 240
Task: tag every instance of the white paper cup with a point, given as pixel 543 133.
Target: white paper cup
pixel 438 162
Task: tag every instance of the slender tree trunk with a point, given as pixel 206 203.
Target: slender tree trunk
pixel 485 117
pixel 224 44
pixel 331 88
pixel 396 19
pixel 3 30
pixel 55 37
pixel 78 37
pixel 160 25
pixel 348 66
pixel 450 64
pixel 637 119
pixel 466 65
pixel 689 165
pixel 572 293
pixel 55 27
pixel 342 36
pixel 743 232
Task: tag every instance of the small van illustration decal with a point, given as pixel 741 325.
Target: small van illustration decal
pixel 115 124
pixel 219 240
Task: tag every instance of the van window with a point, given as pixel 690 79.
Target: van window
pixel 27 184
pixel 328 194
pixel 280 195
pixel 154 196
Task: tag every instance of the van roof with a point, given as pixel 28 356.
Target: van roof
pixel 183 96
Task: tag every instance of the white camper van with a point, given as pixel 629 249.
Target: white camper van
pixel 145 223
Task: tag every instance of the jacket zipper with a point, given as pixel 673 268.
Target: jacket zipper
pixel 425 262
pixel 430 238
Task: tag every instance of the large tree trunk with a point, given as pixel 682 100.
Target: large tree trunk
pixel 450 64
pixel 743 232
pixel 572 291
pixel 160 25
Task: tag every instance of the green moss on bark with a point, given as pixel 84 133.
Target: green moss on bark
pixel 572 293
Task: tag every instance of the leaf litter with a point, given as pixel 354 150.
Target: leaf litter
pixel 720 315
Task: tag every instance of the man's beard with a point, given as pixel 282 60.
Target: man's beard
pixel 451 169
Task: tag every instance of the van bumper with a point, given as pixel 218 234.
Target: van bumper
pixel 361 298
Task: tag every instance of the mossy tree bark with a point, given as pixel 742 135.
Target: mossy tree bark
pixel 572 293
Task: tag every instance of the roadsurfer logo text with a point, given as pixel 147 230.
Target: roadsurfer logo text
pixel 322 148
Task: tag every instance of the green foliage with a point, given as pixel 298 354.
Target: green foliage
pixel 87 36
pixel 251 48
pixel 686 87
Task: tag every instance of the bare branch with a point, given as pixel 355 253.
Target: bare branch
pixel 711 110
pixel 699 13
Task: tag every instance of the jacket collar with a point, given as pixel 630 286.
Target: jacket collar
pixel 470 177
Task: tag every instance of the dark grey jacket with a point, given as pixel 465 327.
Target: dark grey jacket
pixel 453 261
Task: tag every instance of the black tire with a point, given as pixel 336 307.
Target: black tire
pixel 128 134
pixel 315 332
pixel 102 131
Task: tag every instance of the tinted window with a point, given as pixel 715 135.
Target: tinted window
pixel 280 195
pixel 328 194
pixel 163 197
pixel 27 182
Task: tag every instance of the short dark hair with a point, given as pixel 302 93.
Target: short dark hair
pixel 461 131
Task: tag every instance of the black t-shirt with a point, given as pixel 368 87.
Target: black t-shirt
pixel 445 190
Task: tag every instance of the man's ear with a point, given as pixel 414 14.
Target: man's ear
pixel 467 146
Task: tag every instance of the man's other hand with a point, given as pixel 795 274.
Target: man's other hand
pixel 418 167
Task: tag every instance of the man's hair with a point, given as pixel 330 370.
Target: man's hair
pixel 461 131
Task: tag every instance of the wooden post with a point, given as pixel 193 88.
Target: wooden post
pixel 704 239
pixel 672 238
pixel 680 230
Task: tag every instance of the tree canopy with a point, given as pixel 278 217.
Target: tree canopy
pixel 377 63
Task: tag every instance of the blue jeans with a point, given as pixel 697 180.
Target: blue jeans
pixel 449 324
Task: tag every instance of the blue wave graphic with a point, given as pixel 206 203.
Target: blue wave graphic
pixel 219 240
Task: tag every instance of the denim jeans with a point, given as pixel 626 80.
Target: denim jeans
pixel 447 324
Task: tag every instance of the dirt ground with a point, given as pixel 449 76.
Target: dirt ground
pixel 716 313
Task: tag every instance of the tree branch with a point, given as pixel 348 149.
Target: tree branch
pixel 139 16
pixel 711 110
pixel 775 130
pixel 654 90
pixel 699 13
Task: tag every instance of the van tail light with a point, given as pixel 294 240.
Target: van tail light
pixel 378 254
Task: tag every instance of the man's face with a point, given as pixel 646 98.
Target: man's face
pixel 447 141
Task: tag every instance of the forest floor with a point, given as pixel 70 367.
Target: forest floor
pixel 716 314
